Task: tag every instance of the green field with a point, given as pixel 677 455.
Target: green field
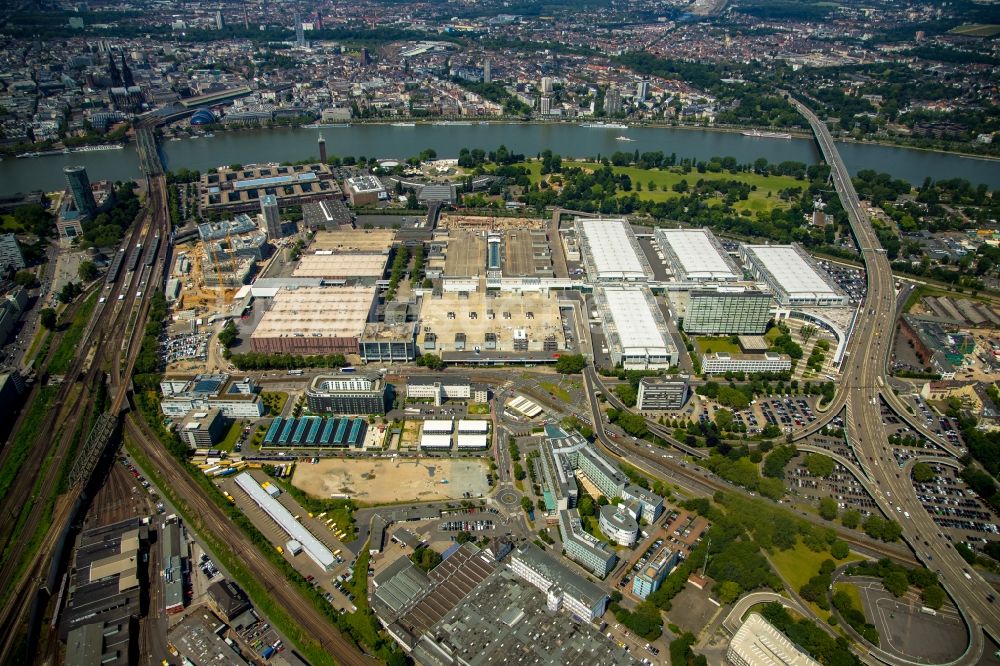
pixel 797 565
pixel 852 591
pixel 717 344
pixel 555 390
pixel 665 179
pixel 67 349
pixel 229 441
pixel 976 30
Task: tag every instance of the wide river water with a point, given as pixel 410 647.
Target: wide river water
pixel 386 141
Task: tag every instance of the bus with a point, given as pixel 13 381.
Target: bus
pixel 295 372
pixel 348 369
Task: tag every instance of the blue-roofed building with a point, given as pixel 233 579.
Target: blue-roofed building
pixel 203 117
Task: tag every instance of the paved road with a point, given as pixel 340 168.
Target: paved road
pixel 862 386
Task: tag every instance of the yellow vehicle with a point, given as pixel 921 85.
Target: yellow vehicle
pixel 281 551
pixel 310 514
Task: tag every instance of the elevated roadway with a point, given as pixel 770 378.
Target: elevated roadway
pixel 863 384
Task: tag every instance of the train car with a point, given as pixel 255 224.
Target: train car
pixel 133 259
pixel 153 249
pixel 115 267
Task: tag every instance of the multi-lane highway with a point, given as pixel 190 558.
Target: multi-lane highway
pixel 861 388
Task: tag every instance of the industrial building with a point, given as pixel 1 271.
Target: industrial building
pixel 384 342
pixel 314 320
pixel 473 434
pixel 364 190
pixel 375 241
pixel 236 399
pixel 759 643
pixel 727 312
pixel 635 328
pixel 695 255
pixel 611 252
pixel 792 276
pixel 506 620
pixel 436 434
pixel 312 546
pixel 348 394
pixel 341 266
pixel 940 346
pixel 719 363
pixel 203 429
pixel 173 559
pixel 618 525
pixel 658 394
pixel 242 190
pixel 315 432
pixel 563 587
pixel 649 579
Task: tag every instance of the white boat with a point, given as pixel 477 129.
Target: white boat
pixel 623 138
pixel 604 125
pixel 767 135
pixel 209 136
pixel 106 146
pixel 404 124
pixel 325 125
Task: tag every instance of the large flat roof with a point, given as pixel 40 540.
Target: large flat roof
pixel 285 520
pixel 341 265
pixel 792 270
pixel 695 254
pixel 328 312
pixel 759 642
pixel 363 240
pixel 611 250
pixel 633 320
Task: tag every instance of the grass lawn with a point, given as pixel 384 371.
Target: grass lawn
pixel 229 441
pixel 976 30
pixel 797 565
pixel 555 390
pixel 853 592
pixel 665 179
pixel 9 225
pixel 772 334
pixel 717 344
pixel 274 401
pixel 479 409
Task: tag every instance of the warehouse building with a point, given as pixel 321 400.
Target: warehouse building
pixel 611 252
pixel 312 546
pixel 356 394
pixel 759 642
pixel 438 388
pixel 656 394
pixel 173 556
pixel 341 266
pixel 792 276
pixel 364 190
pixel 720 363
pixel 727 312
pixel 563 587
pixel 635 328
pixel 314 320
pixel 695 255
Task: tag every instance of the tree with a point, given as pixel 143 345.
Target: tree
pixel 519 472
pixel 840 549
pixel 850 519
pixel 819 465
pixel 25 278
pixel 569 364
pixel 87 271
pixel 69 291
pixel 897 583
pixel 626 394
pixel 922 472
pixel 228 334
pixel 728 592
pixel 47 317
pixel 828 508
pixel 724 419
pixel 526 504
pixel 933 596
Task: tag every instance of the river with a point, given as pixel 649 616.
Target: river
pixel 386 141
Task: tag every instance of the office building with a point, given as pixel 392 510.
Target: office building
pixel 354 394
pixel 300 40
pixel 563 587
pixel 438 388
pixel 219 23
pixel 271 215
pixel 203 429
pixel 720 363
pixel 618 525
pixel 546 84
pixel 545 105
pixel 10 253
pixel 487 72
pixel 364 190
pixel 649 579
pixel 659 394
pixel 236 399
pixel 388 343
pixel 79 187
pixel 642 90
pixel 759 643
pixel 584 548
pixel 727 312
pixel 792 276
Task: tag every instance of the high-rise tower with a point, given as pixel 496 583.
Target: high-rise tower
pixel 79 186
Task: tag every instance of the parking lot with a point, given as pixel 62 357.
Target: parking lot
pixel 956 509
pixel 840 485
pixel 193 346
pixel 852 280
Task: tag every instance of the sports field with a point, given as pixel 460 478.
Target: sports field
pixel 392 481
